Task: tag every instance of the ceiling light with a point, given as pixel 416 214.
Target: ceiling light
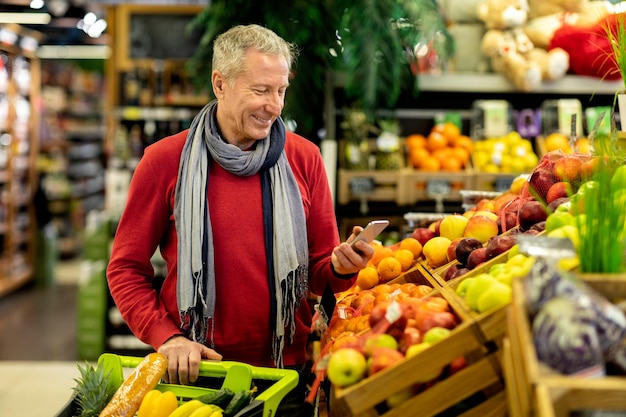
pixel 25 18
pixel 36 4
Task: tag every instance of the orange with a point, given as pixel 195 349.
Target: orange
pixel 442 154
pixel 345 339
pixel 464 142
pixel 415 141
pixel 421 290
pixel 380 252
pixel 436 140
pixel 405 257
pixel 367 278
pixel 417 155
pixel 413 245
pixel 407 287
pixel 430 164
pixel 451 164
pixel 448 129
pixel 461 154
pixel 389 268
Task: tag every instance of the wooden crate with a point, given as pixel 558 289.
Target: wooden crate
pixel 485 181
pixel 386 186
pixel 477 389
pixel 414 185
pixel 535 391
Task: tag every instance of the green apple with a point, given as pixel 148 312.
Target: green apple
pixel 481 283
pixel 513 251
pixel 346 367
pixel 435 334
pixel 464 285
pixel 379 340
pixel 497 295
pixel 496 269
pixel 559 219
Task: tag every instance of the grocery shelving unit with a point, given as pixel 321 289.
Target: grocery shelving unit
pixel 19 129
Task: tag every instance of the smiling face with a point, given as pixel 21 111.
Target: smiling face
pixel 251 102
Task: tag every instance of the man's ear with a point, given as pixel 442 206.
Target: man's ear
pixel 218 82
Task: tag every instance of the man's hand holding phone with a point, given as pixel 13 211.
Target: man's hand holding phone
pixel 370 232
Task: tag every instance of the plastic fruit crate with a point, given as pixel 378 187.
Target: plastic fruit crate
pixel 228 374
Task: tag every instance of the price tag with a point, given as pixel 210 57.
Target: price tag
pixel 362 185
pixel 438 187
pixel 503 184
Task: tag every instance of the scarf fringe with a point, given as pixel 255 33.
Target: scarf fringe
pixel 293 289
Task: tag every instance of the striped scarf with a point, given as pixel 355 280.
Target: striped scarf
pixel 284 226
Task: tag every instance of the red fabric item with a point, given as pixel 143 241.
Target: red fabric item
pixel 589 49
pixel 242 317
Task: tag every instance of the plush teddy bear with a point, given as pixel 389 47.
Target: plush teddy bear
pixel 511 51
pixel 547 16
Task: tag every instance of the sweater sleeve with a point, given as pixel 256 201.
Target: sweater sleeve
pixel 145 223
pixel 323 234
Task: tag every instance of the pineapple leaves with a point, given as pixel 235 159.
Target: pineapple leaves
pixel 93 391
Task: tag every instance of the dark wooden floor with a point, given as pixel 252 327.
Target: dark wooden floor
pixel 38 322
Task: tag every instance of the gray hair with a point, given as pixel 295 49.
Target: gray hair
pixel 230 48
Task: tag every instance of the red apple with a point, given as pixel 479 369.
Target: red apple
pixel 465 247
pixel 454 271
pixel 567 168
pixel 411 336
pixel 481 228
pixel 426 320
pixel 558 190
pixel 499 244
pixel 423 234
pixel 540 182
pixel 477 257
pixel 452 249
pixel 382 358
pixel 531 212
pixel 379 318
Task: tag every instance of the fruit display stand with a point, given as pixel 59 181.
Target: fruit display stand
pixel 233 375
pixel 537 392
pixel 476 390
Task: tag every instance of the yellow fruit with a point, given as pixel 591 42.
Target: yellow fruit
pixel 555 141
pixel 436 251
pixel 389 268
pixel 367 278
pixel 405 257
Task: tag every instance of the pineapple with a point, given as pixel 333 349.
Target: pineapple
pixel 389 155
pixel 92 390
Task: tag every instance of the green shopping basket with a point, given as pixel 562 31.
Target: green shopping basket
pixel 236 376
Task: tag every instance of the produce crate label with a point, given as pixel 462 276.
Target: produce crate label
pixel 438 187
pixel 362 185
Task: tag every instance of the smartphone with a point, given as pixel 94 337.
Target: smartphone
pixel 369 233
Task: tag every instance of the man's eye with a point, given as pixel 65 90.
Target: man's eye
pixel 259 91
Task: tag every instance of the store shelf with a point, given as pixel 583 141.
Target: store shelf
pixel 495 83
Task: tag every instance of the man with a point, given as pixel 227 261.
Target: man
pixel 242 213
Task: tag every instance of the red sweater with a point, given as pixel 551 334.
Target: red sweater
pixel 242 319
